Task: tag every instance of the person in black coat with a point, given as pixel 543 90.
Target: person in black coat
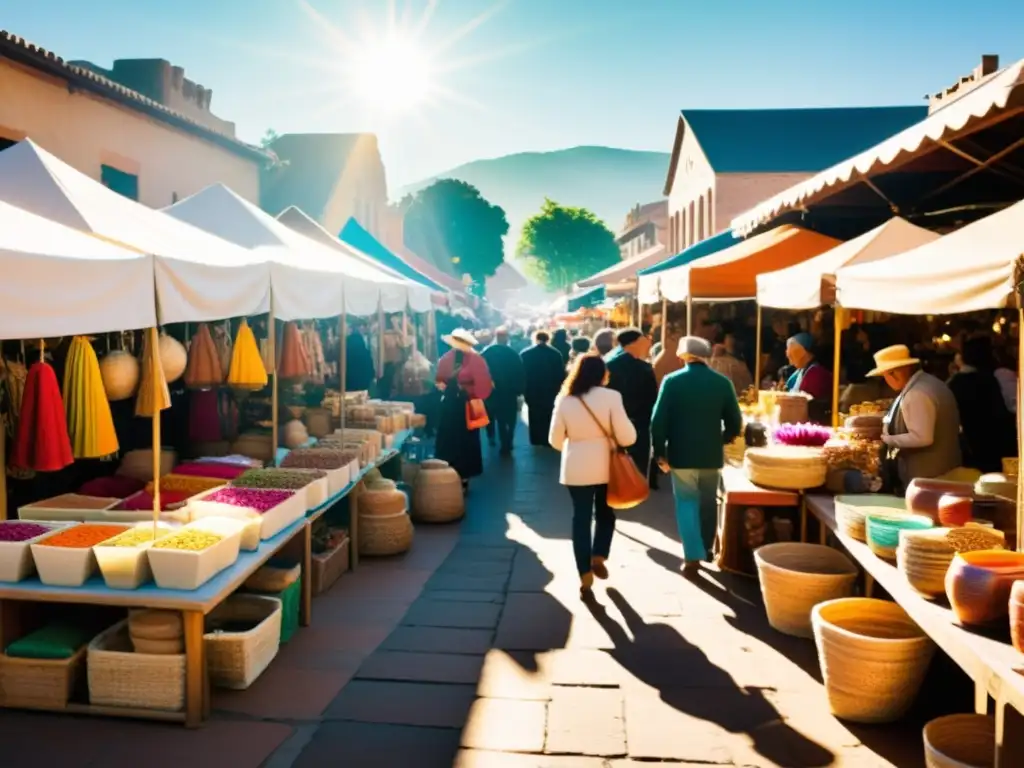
pixel 560 342
pixel 632 376
pixel 545 371
pixel 359 370
pixel 987 428
pixel 509 378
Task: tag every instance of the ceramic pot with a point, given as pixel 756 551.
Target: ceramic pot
pixel 923 495
pixel 955 510
pixel 978 584
pixel 1017 615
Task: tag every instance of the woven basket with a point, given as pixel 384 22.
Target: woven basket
pixel 788 467
pixel 382 501
pixel 382 535
pixel 883 531
pixel 960 741
pixel 318 422
pixel 119 677
pixel 235 659
pixel 437 495
pixel 795 577
pixel 792 409
pixel 873 658
pixel 851 511
pixel 39 683
pixel 255 446
pixel 1011 467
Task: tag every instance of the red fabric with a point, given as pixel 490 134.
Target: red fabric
pixel 204 417
pixel 215 470
pixel 474 375
pixel 42 442
pixel 113 487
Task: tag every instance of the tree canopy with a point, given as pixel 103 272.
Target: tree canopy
pixel 560 245
pixel 453 226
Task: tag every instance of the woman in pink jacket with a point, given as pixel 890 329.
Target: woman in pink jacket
pixel 462 375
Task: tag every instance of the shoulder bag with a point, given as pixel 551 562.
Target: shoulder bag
pixel 627 487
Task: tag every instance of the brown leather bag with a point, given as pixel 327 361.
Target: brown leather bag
pixel 627 487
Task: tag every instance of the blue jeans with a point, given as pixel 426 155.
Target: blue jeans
pixel 590 504
pixel 696 495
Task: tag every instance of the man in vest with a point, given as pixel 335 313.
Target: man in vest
pixel 922 428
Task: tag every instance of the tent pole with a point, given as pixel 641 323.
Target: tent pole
pixel 380 339
pixel 837 321
pixel 274 405
pixel 664 322
pixel 689 315
pixel 757 348
pixel 154 341
pixel 342 360
pixel 1020 438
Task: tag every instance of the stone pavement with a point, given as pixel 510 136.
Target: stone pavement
pixel 475 651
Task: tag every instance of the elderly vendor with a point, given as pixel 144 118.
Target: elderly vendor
pixel 922 428
pixel 810 377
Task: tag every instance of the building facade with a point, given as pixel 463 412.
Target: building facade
pixel 724 162
pixel 141 128
pixel 645 227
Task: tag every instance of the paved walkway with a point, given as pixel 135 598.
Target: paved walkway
pixel 475 651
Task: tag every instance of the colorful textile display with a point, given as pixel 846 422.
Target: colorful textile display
pixel 315 351
pixel 247 370
pixel 204 417
pixel 293 362
pixel 90 424
pixel 153 394
pixel 204 369
pixel 42 441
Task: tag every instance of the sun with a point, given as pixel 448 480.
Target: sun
pixel 392 75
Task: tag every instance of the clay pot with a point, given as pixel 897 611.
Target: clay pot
pixel 978 584
pixel 955 510
pixel 1017 615
pixel 923 495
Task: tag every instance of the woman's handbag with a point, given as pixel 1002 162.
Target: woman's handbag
pixel 627 487
pixel 476 414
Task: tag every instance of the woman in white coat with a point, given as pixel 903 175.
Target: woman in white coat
pixel 586 413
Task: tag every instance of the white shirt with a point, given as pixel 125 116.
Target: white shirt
pixel 586 449
pixel 1008 386
pixel 919 414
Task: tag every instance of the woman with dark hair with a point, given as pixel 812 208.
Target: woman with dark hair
pixel 579 346
pixel 586 414
pixel 987 429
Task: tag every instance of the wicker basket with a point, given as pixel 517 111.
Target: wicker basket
pixel 382 535
pixel 873 658
pixel 437 495
pixel 1011 467
pixel 787 467
pixel 318 422
pixel 39 683
pixel 852 510
pixel 796 577
pixel 960 741
pixel 382 501
pixel 119 677
pixel 792 409
pixel 235 659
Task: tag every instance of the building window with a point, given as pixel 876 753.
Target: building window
pixel 6 143
pixel 126 184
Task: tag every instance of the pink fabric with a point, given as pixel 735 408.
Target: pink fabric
pixel 204 417
pixel 474 375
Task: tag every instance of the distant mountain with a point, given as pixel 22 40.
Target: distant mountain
pixel 606 180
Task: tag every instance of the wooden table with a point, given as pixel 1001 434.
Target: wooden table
pixel 995 667
pixel 736 493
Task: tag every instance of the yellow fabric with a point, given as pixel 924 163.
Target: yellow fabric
pixel 153 395
pixel 90 424
pixel 246 370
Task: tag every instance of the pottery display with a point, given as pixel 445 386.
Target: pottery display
pixel 955 509
pixel 923 495
pixel 1016 606
pixel 883 531
pixel 978 584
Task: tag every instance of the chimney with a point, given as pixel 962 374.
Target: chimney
pixel 987 68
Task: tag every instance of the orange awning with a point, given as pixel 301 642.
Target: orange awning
pixel 732 274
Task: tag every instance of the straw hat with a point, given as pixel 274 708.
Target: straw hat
pixel 460 339
pixel 891 358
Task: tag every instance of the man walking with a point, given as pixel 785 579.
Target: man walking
pixel 545 372
pixel 633 377
pixel 509 378
pixel 696 415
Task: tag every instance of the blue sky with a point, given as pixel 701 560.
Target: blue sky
pixel 536 74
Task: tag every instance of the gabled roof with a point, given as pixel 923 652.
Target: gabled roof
pixel 312 164
pixel 786 140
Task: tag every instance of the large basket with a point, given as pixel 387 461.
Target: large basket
pixel 786 467
pixel 39 683
pixel 960 741
pixel 381 498
pixel 851 511
pixel 119 677
pixel 382 535
pixel 236 659
pixel 796 577
pixel 437 494
pixel 873 658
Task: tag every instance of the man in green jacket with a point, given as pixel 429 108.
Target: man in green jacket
pixel 696 415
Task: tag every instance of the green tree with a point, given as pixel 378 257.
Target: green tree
pixel 453 226
pixel 560 245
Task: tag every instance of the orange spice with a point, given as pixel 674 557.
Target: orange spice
pixel 82 536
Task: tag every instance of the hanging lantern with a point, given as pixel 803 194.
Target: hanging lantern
pixel 120 373
pixel 173 358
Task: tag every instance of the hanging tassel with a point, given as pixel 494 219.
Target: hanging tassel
pixel 154 395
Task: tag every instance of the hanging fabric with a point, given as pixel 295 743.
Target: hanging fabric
pixel 204 369
pixel 42 442
pixel 247 370
pixel 154 395
pixel 293 363
pixel 90 423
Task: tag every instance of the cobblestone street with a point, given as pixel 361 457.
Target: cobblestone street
pixel 476 651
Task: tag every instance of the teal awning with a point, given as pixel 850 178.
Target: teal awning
pixel 586 299
pixel 355 235
pixel 713 244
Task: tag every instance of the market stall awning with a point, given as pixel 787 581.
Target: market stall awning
pixel 964 113
pixel 626 270
pixel 649 279
pixel 356 235
pixel 308 278
pixel 585 299
pixel 58 281
pixel 812 283
pixel 731 274
pixel 199 277
pixel 965 271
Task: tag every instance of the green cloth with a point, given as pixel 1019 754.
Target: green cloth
pixel 696 415
pixel 58 640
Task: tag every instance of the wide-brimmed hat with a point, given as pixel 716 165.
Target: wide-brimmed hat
pixel 460 338
pixel 891 358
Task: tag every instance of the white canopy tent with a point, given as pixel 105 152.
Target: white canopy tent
pixel 812 283
pixel 308 278
pixel 967 270
pixel 198 277
pixel 625 270
pixel 58 281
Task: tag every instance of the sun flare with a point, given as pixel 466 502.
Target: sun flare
pixel 392 75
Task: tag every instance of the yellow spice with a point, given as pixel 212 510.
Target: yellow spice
pixel 191 541
pixel 132 538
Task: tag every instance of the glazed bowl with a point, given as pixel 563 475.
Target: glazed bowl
pixel 883 531
pixel 978 584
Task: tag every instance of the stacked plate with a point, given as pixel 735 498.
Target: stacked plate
pixel 884 531
pixel 851 511
pixel 924 556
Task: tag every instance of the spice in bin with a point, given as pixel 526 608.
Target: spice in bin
pixel 187 483
pixel 278 478
pixel 82 536
pixel 16 531
pixel 260 499
pixel 191 540
pixel 135 537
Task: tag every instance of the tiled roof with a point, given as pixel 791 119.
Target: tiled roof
pixel 21 50
pixel 313 165
pixel 787 140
